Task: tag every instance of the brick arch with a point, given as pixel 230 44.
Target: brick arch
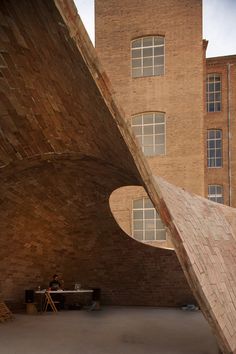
pixel 55 217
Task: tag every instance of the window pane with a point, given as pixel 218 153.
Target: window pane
pixel 211 107
pixel 138 225
pixel 148 41
pixel 150 235
pixel 159 129
pixel 160 149
pixel 137 72
pixel 136 63
pixel 148 150
pixel 137 130
pixel 148 140
pixel 138 204
pixel 211 97
pixel 158 40
pixel 158 51
pixel 147 62
pixel 211 78
pixel 212 143
pixel 218 189
pixel 217 96
pixel 149 214
pixel 148 129
pixel 137 120
pixel 149 225
pixel 136 53
pixel 159 118
pixel 159 60
pixel 211 87
pixel 138 214
pixel 161 235
pixel 136 43
pixel 159 224
pixel 211 134
pixel 147 71
pixel 148 203
pixel 159 139
pixel 138 235
pixel 158 70
pixel 147 52
pixel 147 118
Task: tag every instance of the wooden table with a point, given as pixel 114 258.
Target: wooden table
pixel 46 294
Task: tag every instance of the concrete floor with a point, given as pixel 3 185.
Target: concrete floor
pixel 113 330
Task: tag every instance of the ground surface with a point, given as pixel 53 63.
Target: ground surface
pixel 113 330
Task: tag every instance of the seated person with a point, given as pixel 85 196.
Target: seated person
pixel 56 285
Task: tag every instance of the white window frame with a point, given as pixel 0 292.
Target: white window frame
pixel 146 207
pixel 144 64
pixel 217 195
pixel 150 126
pixel 217 141
pixel 213 80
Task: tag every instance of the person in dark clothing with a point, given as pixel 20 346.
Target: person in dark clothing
pixel 56 285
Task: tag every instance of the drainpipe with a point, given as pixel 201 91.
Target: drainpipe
pixel 229 133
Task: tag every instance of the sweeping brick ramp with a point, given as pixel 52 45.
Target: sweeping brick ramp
pixel 64 148
pixel 204 235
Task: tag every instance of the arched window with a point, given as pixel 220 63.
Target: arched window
pixel 147 225
pixel 213 92
pixel 150 130
pixel 148 56
pixel 215 193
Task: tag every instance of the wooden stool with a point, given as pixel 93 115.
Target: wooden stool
pixel 31 309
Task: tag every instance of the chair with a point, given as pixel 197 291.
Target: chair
pixel 49 302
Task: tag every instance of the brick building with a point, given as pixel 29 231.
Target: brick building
pixel 181 106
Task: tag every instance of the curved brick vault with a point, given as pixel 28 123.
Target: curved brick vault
pixel 64 147
pixel 61 156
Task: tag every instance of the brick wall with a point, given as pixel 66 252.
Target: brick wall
pixel 61 156
pixel 220 120
pixel 179 93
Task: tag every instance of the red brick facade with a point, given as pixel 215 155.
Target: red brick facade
pixel 180 93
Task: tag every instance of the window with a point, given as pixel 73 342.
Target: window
pixel 214 148
pixel 147 225
pixel 148 56
pixel 213 93
pixel 149 128
pixel 215 193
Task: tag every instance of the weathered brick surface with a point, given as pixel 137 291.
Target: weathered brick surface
pixel 226 121
pixel 204 235
pixel 61 156
pixel 178 93
pixel 55 213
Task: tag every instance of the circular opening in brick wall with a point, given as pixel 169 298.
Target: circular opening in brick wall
pixel 136 216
